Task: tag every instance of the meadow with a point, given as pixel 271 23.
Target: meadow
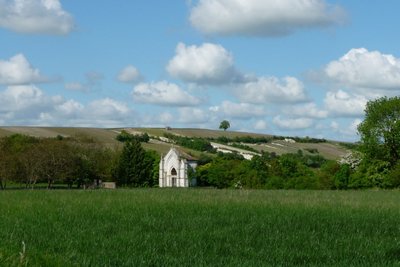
pixel 199 227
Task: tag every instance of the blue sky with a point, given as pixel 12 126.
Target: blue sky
pixel 288 67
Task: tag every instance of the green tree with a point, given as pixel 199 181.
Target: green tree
pixel 131 170
pixel 224 125
pixel 380 130
pixel 342 176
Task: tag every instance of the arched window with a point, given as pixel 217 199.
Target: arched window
pixel 173 172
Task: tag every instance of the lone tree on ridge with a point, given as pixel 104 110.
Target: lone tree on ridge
pixel 224 125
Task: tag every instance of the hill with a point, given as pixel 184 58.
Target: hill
pixel 328 149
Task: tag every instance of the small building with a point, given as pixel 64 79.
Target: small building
pixel 174 169
pixel 109 185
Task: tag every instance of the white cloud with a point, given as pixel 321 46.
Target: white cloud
pixel 309 110
pixel 25 103
pixel 35 17
pixel 29 105
pixel 17 70
pixel 360 68
pixel 292 124
pixel 24 97
pixel 107 108
pixel 164 117
pixel 129 74
pixel 238 110
pixel 205 64
pixel 346 131
pixel 193 115
pixel 261 125
pixel 262 17
pixel 163 93
pixel 70 108
pixel 341 103
pixel 271 90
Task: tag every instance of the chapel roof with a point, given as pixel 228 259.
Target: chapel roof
pixel 183 154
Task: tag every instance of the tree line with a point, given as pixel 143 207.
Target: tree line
pixel 374 163
pixel 74 162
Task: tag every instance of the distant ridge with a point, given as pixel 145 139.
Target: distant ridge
pixel 107 136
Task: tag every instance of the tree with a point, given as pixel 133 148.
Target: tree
pixel 224 125
pixel 380 130
pixel 133 166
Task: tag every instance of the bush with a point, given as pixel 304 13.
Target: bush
pixel 342 176
pixel 124 136
pixel 393 177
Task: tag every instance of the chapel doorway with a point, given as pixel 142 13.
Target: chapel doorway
pixel 173 177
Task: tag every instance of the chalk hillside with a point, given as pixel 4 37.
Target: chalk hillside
pixel 329 149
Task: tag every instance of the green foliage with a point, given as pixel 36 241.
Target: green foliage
pixel 371 173
pixel 308 139
pixel 327 173
pixel 244 147
pixel 224 125
pixel 312 150
pixel 27 161
pixel 301 139
pixel 124 136
pixel 342 176
pixel 152 162
pixel 393 177
pixel 380 145
pixel 380 130
pixel 133 166
pixel 241 139
pixel 199 144
pixel 265 171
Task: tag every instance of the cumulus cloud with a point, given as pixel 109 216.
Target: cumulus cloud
pixel 25 102
pixel 292 124
pixel 263 17
pixel 360 68
pixel 193 115
pixel 261 125
pixel 69 109
pixel 17 70
pixel 341 103
pixel 35 17
pixel 163 93
pixel 309 110
pixel 129 74
pixel 238 110
pixel 29 105
pixel 107 108
pixel 272 90
pixel 25 97
pixel 205 64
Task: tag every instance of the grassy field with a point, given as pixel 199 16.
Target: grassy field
pixel 199 227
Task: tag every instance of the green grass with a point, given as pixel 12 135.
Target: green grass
pixel 199 227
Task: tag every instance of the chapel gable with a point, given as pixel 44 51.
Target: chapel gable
pixel 174 168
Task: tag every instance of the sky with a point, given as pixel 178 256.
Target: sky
pixel 287 67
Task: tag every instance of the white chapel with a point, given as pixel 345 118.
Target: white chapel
pixel 174 168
